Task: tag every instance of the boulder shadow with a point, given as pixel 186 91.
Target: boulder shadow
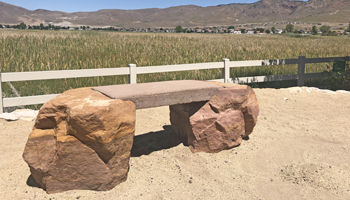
pixel 32 183
pixel 246 138
pixel 154 141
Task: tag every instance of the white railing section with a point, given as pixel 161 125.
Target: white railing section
pixel 132 71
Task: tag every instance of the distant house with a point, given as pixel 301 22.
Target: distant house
pixel 278 31
pixel 225 30
pixel 191 30
pixel 237 31
pixel 250 32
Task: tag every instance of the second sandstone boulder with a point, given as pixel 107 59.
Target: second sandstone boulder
pixel 219 123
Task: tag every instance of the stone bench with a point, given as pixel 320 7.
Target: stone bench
pixel 82 139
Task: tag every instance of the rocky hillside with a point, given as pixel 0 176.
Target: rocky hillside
pixel 188 16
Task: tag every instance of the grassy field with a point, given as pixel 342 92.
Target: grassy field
pixel 62 50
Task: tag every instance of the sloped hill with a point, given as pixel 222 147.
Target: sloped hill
pixel 189 15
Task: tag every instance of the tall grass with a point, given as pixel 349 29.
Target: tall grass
pixel 62 50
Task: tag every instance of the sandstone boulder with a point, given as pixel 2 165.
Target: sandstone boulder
pixel 217 124
pixel 81 140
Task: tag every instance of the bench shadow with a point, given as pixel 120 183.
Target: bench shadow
pixel 154 141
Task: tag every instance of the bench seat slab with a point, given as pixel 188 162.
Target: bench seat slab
pixel 155 94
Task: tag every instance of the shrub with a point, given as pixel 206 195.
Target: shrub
pixel 338 79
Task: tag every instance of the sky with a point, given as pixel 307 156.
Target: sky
pixel 94 5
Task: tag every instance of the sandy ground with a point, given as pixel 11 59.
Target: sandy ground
pixel 300 149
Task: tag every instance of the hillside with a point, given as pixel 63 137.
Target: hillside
pixel 189 15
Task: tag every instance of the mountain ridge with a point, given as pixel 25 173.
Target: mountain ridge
pixel 187 15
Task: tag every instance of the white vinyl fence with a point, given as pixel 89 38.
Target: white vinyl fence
pixel 132 71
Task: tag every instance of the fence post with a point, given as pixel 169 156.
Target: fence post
pixel 1 102
pixel 301 71
pixel 226 70
pixel 132 74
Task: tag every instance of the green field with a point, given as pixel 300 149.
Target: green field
pixel 63 50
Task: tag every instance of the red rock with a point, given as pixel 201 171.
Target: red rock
pixel 81 140
pixel 219 123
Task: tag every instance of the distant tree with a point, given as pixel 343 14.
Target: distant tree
pixel 242 30
pixel 332 33
pixel 325 29
pixel 273 29
pixel 268 31
pixel 76 28
pixel 259 29
pixel 314 30
pixel 231 27
pixel 1 26
pixel 348 30
pixel 289 28
pixel 178 29
pixel 83 27
pixel 22 26
pixel 41 26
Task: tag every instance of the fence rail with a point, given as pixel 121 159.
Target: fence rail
pixel 132 71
